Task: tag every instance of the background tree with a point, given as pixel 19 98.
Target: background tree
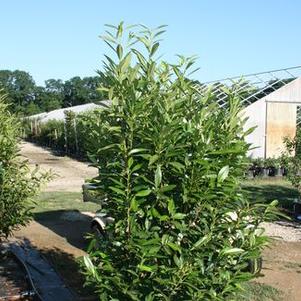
pixel 20 87
pixel 27 98
pixel 80 91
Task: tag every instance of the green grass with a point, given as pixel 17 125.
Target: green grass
pixel 58 200
pixel 267 190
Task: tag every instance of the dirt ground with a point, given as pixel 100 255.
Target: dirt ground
pixel 282 268
pixel 64 239
pixel 58 238
pixel 69 174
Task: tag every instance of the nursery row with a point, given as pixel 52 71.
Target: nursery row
pixel 70 136
pixel 270 167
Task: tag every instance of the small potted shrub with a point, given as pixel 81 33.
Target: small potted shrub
pixel 270 166
pixel 250 172
pixel 278 167
pixel 257 167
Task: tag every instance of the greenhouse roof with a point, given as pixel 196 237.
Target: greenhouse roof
pixel 251 87
pixel 60 115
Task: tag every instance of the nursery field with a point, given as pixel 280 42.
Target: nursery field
pixel 61 221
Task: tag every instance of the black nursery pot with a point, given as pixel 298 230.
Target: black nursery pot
pixel 265 172
pixel 297 209
pixel 271 171
pixel 284 171
pixel 251 173
pixel 278 172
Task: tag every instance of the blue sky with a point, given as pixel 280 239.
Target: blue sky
pixel 59 38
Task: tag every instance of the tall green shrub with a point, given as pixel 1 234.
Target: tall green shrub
pixel 170 162
pixel 291 159
pixel 17 184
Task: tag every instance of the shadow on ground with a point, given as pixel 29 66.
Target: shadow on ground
pixel 13 281
pixel 267 193
pixel 68 267
pixel 69 224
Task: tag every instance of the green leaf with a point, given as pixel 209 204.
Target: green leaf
pixel 154 48
pixel 125 63
pixel 89 265
pixel 167 188
pixel 158 176
pixel 137 150
pixel 145 268
pixel 179 216
pixel 108 147
pixel 134 204
pixel 144 192
pixel 155 212
pixel 111 93
pixel 174 246
pixel 171 206
pixel 150 297
pixel 130 162
pixel 232 251
pixel 153 159
pixel 274 203
pixel 178 261
pixel 223 174
pixel 119 51
pixel 136 167
pixel 119 30
pixel 200 242
pixel 117 190
pixel 179 166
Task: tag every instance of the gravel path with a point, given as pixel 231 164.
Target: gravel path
pixel 285 231
pixel 70 174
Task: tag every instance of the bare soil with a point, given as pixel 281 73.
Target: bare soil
pixel 63 239
pixel 282 268
pixel 69 174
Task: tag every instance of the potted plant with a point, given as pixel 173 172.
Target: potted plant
pixel 270 165
pixel 257 166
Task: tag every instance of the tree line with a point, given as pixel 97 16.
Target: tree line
pixel 27 98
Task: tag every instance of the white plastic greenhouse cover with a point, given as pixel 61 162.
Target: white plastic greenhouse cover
pixel 60 115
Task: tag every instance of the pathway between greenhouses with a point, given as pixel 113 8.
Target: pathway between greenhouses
pixel 61 236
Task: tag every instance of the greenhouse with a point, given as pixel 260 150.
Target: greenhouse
pixel 272 103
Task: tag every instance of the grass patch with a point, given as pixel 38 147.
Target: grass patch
pixel 267 190
pixel 254 291
pixel 60 200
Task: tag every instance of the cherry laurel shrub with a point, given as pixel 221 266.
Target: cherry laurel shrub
pixel 18 185
pixel 291 159
pixel 170 162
